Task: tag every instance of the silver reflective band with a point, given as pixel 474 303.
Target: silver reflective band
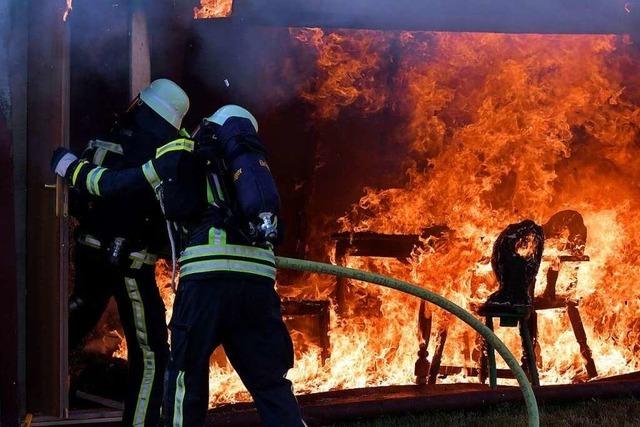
pixel 63 164
pixel 141 258
pixel 151 175
pixel 218 187
pixel 237 266
pixel 99 155
pixel 89 240
pixel 106 145
pixel 228 250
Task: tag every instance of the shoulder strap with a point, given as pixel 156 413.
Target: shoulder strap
pixel 177 145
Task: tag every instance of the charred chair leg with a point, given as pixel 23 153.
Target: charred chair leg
pixel 437 356
pixel 528 354
pixel 581 337
pixel 491 357
pixel 423 365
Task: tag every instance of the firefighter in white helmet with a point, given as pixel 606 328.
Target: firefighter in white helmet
pixel 218 190
pixel 118 241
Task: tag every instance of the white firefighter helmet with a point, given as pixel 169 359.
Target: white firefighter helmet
pixel 228 111
pixel 167 99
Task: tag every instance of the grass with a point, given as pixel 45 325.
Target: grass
pixel 606 413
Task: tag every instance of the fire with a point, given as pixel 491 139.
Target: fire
pixel 348 71
pixel 67 11
pixel 500 128
pixel 213 9
pixel 492 129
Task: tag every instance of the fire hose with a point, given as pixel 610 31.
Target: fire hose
pixel 440 301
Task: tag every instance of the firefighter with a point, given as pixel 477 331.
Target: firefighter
pixel 219 194
pixel 117 242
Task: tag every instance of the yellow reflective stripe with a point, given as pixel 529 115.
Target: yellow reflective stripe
pixel 178 144
pixel 93 179
pixel 229 250
pixel 151 175
pixel 179 400
pixel 238 266
pixel 217 237
pixel 148 356
pixel 77 171
pixel 96 184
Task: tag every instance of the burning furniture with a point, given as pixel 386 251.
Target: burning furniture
pixel 400 247
pixel 319 311
pixel 523 254
pixel 366 244
pixel 516 258
pixel 568 230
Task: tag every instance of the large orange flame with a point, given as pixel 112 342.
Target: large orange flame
pixel 499 128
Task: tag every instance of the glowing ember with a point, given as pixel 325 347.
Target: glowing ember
pixel 213 9
pixel 67 10
pixel 499 128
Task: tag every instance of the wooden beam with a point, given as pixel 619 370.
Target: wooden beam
pixel 139 49
pixel 48 93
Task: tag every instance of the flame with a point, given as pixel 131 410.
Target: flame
pixel 67 11
pixel 348 69
pixel 213 9
pixel 500 128
pixel 495 129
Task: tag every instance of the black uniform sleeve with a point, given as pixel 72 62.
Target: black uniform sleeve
pixel 88 178
pixel 173 176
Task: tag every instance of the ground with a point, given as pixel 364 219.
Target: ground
pixel 601 413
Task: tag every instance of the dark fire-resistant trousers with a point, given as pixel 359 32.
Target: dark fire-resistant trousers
pixel 243 316
pixel 142 314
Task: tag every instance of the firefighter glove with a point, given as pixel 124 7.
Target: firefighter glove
pixel 61 160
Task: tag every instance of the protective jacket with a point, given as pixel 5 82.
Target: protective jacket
pixel 136 218
pixel 210 193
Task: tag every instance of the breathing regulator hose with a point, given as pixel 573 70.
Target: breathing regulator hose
pixel 445 304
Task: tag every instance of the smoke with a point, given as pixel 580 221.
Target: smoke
pixel 99 67
pixel 528 16
pixel 259 67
